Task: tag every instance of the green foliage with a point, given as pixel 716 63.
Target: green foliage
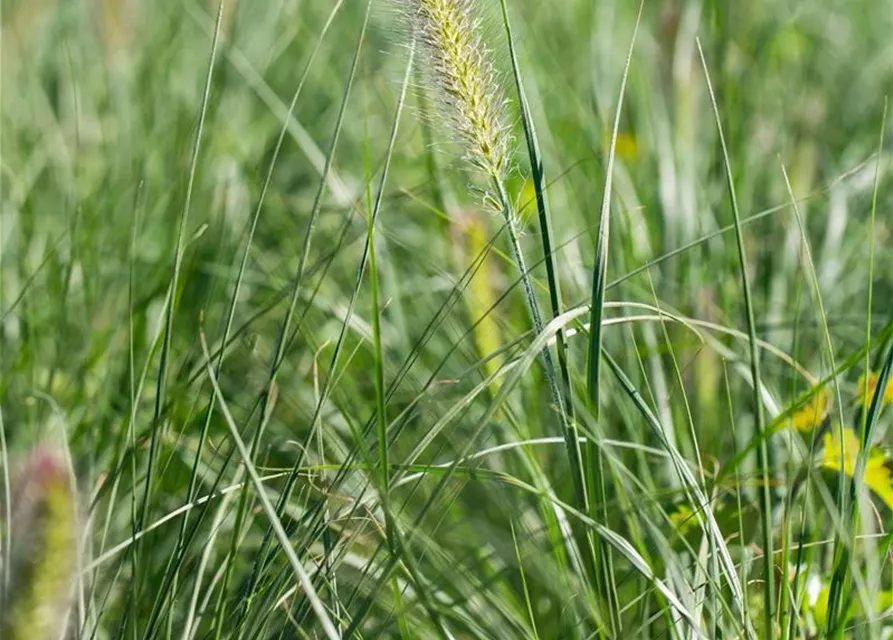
pixel 310 384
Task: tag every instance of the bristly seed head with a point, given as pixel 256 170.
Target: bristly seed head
pixel 43 549
pixel 459 65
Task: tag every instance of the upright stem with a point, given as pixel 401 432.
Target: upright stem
pixel 570 430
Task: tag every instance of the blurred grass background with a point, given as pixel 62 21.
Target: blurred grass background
pixel 101 108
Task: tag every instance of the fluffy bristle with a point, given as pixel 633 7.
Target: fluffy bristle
pixel 43 549
pixel 459 65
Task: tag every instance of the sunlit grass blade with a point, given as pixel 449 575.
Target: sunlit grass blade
pixel 157 418
pixel 172 572
pixel 284 542
pixel 840 582
pixel 285 327
pixel 765 491
pixel 596 477
pixel 538 176
pixel 696 496
pixel 392 532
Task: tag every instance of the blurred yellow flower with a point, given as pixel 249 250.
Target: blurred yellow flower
pixel 683 519
pixel 872 380
pixel 812 413
pixel 627 147
pixel 877 474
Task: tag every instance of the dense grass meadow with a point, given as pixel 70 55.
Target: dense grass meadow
pixel 472 319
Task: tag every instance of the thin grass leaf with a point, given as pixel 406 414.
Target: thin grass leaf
pixel 392 531
pixel 538 176
pixel 840 582
pixel 181 548
pixel 695 495
pixel 596 478
pixel 178 262
pixel 766 503
pixel 285 327
pixel 285 544
pixel 600 266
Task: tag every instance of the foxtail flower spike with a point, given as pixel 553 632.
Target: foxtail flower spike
pixel 43 549
pixel 458 65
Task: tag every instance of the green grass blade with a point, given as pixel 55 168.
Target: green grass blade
pixel 538 175
pixel 765 492
pixel 181 548
pixel 597 479
pixel 600 267
pixel 839 590
pixel 286 544
pixel 285 328
pixel 175 280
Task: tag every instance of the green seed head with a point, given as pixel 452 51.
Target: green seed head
pixel 458 65
pixel 43 549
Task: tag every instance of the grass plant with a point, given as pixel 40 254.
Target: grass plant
pixel 445 319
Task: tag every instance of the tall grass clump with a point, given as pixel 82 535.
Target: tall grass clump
pixel 461 73
pixel 597 346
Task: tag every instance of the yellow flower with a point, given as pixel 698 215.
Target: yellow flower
pixel 683 519
pixel 872 381
pixel 812 413
pixel 877 474
pixel 627 147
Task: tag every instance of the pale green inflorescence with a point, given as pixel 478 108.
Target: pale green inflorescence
pixel 43 550
pixel 459 65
